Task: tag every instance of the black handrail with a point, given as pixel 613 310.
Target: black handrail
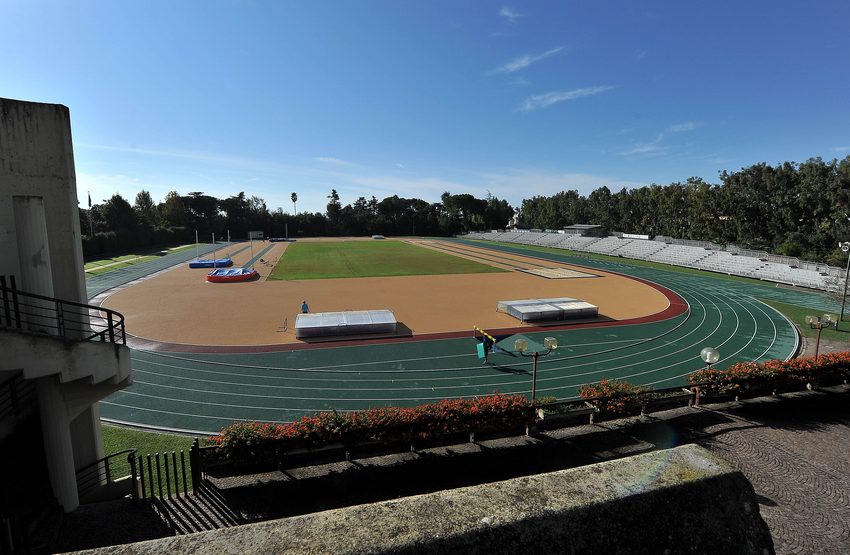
pixel 100 472
pixel 66 319
pixel 14 397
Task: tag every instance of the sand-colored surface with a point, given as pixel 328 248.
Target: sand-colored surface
pixel 179 306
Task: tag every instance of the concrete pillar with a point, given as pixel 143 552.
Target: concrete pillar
pixel 34 259
pixel 33 249
pixel 86 437
pixel 58 449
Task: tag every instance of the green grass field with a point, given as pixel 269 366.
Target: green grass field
pixel 342 259
pixel 116 438
pixel 797 314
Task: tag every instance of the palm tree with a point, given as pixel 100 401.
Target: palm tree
pixel 294 200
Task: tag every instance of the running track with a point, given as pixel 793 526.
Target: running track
pixel 202 392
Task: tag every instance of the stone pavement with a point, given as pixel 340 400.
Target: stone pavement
pixel 797 461
pixel 793 448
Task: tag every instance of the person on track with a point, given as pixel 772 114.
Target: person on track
pixel 304 308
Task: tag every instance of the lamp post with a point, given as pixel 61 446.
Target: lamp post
pixel 845 247
pixel 820 322
pixel 710 356
pixel 521 346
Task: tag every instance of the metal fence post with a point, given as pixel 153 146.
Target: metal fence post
pixel 195 462
pixel 111 328
pixel 131 459
pixel 183 465
pixel 167 477
pixel 150 476
pixel 158 476
pixel 174 467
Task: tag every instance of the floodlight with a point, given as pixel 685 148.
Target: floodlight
pixel 550 343
pixel 521 345
pixel 709 355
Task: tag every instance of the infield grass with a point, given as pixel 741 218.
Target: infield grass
pixel 343 259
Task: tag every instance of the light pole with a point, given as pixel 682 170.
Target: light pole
pixel 521 346
pixel 845 247
pixel 818 323
pixel 709 356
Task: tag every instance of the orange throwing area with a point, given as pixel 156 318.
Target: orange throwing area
pixel 179 306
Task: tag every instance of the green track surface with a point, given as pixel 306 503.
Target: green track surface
pixel 204 392
pixel 343 259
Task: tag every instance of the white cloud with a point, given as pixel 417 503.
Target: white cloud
pixel 840 149
pixel 399 165
pixel 644 149
pixel 546 100
pixel 517 184
pixel 510 15
pixel 655 148
pixel 331 160
pixel 520 81
pixel 524 61
pixel 681 127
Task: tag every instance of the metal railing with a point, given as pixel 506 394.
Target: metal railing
pixel 105 472
pixel 160 476
pixel 67 319
pixel 17 398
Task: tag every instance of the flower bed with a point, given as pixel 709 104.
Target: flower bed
pixel 615 397
pixel 263 444
pixel 774 376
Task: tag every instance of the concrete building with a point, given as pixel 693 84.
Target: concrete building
pixel 48 341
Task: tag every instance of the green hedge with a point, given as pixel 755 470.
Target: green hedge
pixel 258 443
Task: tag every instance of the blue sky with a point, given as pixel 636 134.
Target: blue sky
pixel 417 98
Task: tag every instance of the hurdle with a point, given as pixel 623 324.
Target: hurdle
pixel 475 331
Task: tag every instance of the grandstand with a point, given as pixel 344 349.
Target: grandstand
pixel 607 245
pixel 691 254
pixel 728 263
pixel 640 249
pixel 680 255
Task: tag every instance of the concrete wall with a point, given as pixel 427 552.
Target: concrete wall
pixel 682 500
pixel 40 246
pixel 37 160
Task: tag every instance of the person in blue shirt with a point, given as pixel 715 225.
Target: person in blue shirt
pixel 304 308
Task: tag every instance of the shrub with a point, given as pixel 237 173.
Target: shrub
pixel 774 375
pixel 256 443
pixel 614 396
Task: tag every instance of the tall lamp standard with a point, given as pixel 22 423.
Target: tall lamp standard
pixel 820 322
pixel 521 346
pixel 845 247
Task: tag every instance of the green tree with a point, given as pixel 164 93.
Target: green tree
pixel 173 211
pixel 145 208
pixel 118 214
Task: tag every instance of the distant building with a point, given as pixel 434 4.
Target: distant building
pixel 587 230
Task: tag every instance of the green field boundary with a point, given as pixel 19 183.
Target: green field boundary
pixel 347 259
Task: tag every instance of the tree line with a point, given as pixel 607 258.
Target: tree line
pixel 793 209
pixel 116 225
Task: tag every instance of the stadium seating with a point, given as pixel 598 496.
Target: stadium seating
pixel 640 249
pixel 679 255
